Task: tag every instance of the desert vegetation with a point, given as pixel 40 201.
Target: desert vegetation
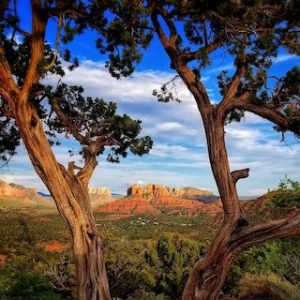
pixel 148 256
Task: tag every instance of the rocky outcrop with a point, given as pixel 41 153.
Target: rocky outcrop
pixel 133 204
pixel 18 191
pixel 158 190
pixel 100 196
pixel 149 191
pixel 13 195
pixel 155 198
pixel 100 191
pixel 135 190
pixel 136 204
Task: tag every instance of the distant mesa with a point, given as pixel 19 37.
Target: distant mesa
pixel 103 191
pixel 158 190
pixel 151 190
pixel 100 196
pixel 156 198
pixel 14 195
pixel 152 198
pixel 16 190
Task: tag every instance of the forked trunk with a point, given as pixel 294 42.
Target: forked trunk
pixel 72 200
pixel 208 275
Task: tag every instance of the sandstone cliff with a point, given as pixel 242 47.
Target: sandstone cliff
pixel 134 204
pixel 158 190
pixel 13 195
pixel 155 198
pixel 100 196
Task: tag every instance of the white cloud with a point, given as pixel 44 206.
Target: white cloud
pixel 179 156
pixel 93 76
pixel 284 58
pixel 243 135
pixel 169 126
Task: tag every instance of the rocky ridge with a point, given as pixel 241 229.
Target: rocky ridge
pixel 158 190
pixel 100 196
pixel 13 195
pixel 155 198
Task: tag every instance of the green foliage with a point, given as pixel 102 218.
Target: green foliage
pixel 252 33
pixel 284 200
pixel 139 265
pixel 9 138
pixel 267 286
pixel 288 184
pixel 175 259
pixel 62 277
pixel 280 257
pixel 270 257
pixel 25 286
pixel 146 268
pixel 144 295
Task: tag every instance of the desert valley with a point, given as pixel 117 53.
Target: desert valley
pixel 153 235
pixel 139 200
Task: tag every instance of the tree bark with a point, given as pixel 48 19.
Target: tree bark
pixel 90 267
pixel 72 200
pixel 208 275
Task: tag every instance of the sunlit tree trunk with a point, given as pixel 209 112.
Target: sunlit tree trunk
pixel 207 277
pixel 72 199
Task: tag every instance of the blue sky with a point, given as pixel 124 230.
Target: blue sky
pixel 179 156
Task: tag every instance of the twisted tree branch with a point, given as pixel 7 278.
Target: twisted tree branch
pixel 239 174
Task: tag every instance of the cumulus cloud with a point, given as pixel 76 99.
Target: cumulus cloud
pixel 179 156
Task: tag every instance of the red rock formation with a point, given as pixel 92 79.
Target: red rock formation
pixel 133 204
pixel 17 191
pixel 136 204
pixel 159 190
pixel 20 196
pixel 100 196
pixel 135 190
pixel 155 198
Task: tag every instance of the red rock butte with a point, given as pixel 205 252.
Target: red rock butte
pixel 156 198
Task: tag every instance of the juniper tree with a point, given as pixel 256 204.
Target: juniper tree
pixel 252 33
pixel 38 114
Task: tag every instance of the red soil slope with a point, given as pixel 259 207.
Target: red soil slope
pixel 133 204
pixel 137 204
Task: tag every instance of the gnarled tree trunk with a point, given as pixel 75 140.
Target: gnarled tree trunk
pixel 235 235
pixel 207 277
pixel 90 267
pixel 71 197
pixel 69 190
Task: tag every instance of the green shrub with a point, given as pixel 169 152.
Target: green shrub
pixel 267 286
pixel 267 258
pixel 25 286
pixel 284 199
pixel 289 184
pixel 156 268
pixel 144 295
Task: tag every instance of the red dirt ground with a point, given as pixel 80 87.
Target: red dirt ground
pixel 55 246
pixel 3 259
